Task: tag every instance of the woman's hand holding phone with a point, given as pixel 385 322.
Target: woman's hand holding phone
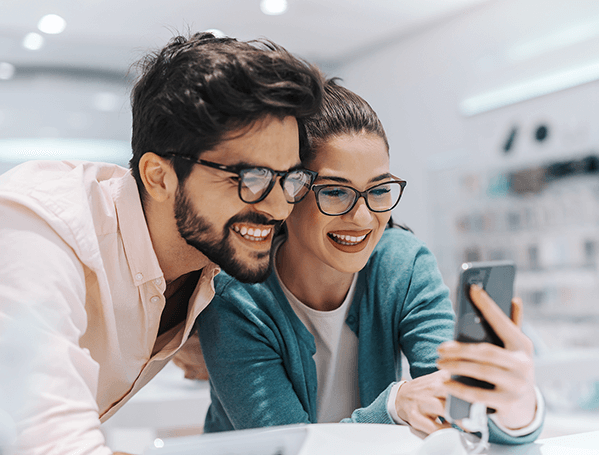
pixel 510 369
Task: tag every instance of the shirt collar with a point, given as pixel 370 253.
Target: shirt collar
pixel 139 250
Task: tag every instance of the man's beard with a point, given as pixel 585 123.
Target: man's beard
pixel 203 236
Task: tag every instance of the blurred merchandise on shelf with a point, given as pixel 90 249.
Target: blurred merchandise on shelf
pixel 527 189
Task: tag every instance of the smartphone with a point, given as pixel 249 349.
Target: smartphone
pixel 497 279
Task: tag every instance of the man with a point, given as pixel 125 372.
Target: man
pixel 105 270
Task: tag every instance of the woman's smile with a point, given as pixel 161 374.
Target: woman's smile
pixel 349 241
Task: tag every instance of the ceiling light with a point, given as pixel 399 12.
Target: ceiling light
pixel 7 71
pixel 558 40
pixel 51 24
pixel 33 41
pixel 529 89
pixel 273 7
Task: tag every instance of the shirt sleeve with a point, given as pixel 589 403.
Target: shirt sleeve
pixel 52 381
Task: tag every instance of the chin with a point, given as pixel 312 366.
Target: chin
pixel 247 274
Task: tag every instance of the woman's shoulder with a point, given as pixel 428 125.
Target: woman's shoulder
pixel 398 249
pixel 229 291
pixel 398 239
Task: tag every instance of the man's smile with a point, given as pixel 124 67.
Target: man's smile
pixel 253 233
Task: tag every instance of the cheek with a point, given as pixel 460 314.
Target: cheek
pixel 306 217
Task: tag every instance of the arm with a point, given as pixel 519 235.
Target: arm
pixel 190 359
pixel 245 352
pixel 426 320
pixel 52 379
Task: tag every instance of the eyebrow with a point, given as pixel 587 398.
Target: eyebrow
pixel 378 178
pixel 245 164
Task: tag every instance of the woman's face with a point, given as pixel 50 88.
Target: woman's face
pixel 343 242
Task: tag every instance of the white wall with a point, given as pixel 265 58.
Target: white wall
pixel 416 84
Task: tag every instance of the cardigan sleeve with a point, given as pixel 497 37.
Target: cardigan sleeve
pixel 426 318
pixel 250 386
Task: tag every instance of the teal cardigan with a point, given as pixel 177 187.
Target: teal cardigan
pixel 259 353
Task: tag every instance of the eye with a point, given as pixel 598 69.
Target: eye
pixel 380 191
pixel 334 192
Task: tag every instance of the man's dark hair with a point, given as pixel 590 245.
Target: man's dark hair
pixel 197 89
pixel 342 112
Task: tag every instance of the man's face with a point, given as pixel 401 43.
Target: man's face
pixel 213 219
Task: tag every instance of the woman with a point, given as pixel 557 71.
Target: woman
pixel 320 339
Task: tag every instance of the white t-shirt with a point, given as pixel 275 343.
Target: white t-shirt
pixel 336 355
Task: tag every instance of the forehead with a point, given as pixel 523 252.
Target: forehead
pixel 270 142
pixel 355 157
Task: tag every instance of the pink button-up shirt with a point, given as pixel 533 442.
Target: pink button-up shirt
pixel 81 296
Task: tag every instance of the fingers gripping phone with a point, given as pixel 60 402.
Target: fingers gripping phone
pixel 497 279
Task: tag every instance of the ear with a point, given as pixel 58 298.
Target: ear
pixel 158 176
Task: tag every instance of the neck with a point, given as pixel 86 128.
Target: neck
pixel 314 283
pixel 175 256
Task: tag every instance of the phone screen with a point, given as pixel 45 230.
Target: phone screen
pixel 497 279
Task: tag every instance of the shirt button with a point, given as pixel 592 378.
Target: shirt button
pixel 158 281
pixel 155 299
pixel 139 277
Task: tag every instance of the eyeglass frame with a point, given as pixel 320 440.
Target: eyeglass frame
pixel 359 194
pixel 238 170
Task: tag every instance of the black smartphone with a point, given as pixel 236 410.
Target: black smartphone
pixel 497 279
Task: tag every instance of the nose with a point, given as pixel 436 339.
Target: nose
pixel 275 205
pixel 360 214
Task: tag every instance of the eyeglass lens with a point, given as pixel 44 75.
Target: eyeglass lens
pixel 256 183
pixel 335 200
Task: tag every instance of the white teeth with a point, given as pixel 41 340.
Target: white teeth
pixel 253 234
pixel 347 239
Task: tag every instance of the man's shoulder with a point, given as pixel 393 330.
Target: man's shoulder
pixel 75 198
pixel 34 174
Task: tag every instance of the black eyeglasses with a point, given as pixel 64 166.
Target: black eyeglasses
pixel 335 200
pixel 255 183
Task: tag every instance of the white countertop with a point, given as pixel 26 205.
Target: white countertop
pixel 352 439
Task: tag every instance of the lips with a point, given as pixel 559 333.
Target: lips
pixel 349 241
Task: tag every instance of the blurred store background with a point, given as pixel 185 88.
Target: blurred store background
pixel 491 108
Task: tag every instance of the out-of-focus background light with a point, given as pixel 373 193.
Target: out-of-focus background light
pixel 52 24
pixel 7 71
pixel 273 7
pixel 33 41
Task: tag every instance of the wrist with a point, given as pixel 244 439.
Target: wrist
pixel 521 414
pixel 399 409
